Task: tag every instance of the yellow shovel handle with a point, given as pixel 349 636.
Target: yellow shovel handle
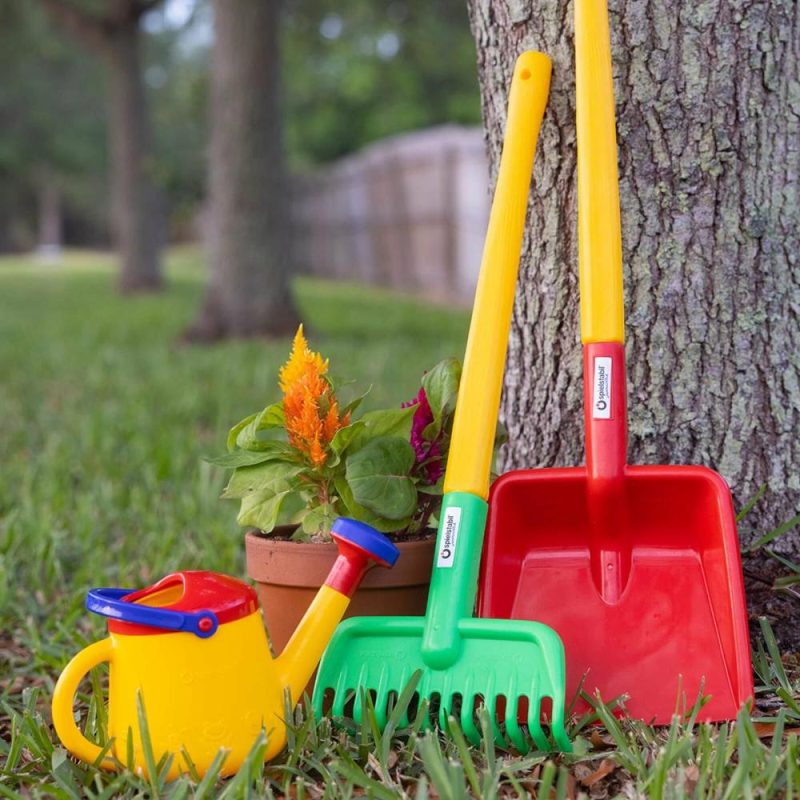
pixel 599 238
pixel 470 459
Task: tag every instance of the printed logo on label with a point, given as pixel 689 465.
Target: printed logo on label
pixel 447 548
pixel 601 391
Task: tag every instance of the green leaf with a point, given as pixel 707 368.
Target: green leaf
pixel 344 436
pixel 234 432
pixel 261 510
pixel 272 476
pixel 245 434
pixel 434 489
pixel 378 475
pixel 374 425
pixel 241 458
pixel 319 519
pixel 354 403
pixel 294 507
pixel 359 512
pixel 441 387
pixel 389 422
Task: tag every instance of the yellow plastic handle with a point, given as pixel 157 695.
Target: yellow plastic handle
pixel 470 459
pixel 599 237
pixel 64 694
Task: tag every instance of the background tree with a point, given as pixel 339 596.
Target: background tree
pixel 52 151
pixel 249 226
pixel 709 130
pixel 112 30
pixel 358 71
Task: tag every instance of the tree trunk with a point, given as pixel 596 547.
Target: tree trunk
pixel 249 227
pixel 708 120
pixel 49 244
pixel 134 198
pixel 115 35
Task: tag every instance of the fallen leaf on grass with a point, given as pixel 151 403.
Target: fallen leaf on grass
pixel 607 766
pixel 571 793
pixel 692 775
pixel 599 741
pixel 766 730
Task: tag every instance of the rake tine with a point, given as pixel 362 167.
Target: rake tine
pixel 425 710
pixel 405 679
pixel 468 720
pixel 491 707
pixel 381 713
pixel 339 697
pixel 467 706
pixel 340 702
pixel 490 703
pixel 361 689
pixel 358 705
pixel 513 730
pixel 404 720
pixel 382 699
pixel 444 710
pixel 557 730
pixel 535 725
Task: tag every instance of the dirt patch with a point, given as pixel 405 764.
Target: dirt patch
pixel 780 607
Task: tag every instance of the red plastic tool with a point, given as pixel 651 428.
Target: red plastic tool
pixel 636 567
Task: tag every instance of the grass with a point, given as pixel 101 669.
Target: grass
pixel 105 420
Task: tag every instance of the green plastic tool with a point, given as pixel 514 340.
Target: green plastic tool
pixel 510 666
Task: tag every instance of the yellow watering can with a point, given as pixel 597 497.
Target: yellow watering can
pixel 193 646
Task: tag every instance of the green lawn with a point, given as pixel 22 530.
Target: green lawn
pixel 105 418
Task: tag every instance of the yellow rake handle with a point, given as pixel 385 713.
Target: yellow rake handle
pixel 470 460
pixel 599 238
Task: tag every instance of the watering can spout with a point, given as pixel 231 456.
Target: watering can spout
pixel 360 547
pixel 299 659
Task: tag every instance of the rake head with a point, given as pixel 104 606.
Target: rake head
pixel 514 668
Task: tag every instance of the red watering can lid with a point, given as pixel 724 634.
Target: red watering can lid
pixel 194 601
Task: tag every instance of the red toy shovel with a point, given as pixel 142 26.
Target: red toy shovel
pixel 636 567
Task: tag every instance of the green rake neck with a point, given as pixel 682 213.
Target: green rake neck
pixel 454 581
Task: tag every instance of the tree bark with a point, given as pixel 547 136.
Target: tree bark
pixel 50 241
pixel 708 122
pixel 249 227
pixel 136 212
pixel 134 197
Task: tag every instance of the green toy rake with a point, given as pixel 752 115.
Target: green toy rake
pixel 510 666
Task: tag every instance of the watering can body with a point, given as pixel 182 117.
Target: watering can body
pixel 194 695
pixel 189 658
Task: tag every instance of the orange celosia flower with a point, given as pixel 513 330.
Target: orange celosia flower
pixel 309 405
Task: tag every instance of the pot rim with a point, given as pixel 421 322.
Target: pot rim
pixel 267 562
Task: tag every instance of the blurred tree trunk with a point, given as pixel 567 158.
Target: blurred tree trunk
pixel 50 227
pixel 249 227
pixel 708 112
pixel 136 214
pixel 136 210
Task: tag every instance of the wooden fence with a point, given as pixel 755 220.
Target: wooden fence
pixel 408 212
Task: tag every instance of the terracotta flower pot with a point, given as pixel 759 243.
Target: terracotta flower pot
pixel 288 575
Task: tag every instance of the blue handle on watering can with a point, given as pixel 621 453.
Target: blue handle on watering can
pixel 110 603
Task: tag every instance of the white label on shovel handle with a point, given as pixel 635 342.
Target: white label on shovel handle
pixel 447 547
pixel 601 391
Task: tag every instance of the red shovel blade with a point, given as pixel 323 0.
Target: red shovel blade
pixel 651 607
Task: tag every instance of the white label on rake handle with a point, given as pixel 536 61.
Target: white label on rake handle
pixel 447 547
pixel 601 390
